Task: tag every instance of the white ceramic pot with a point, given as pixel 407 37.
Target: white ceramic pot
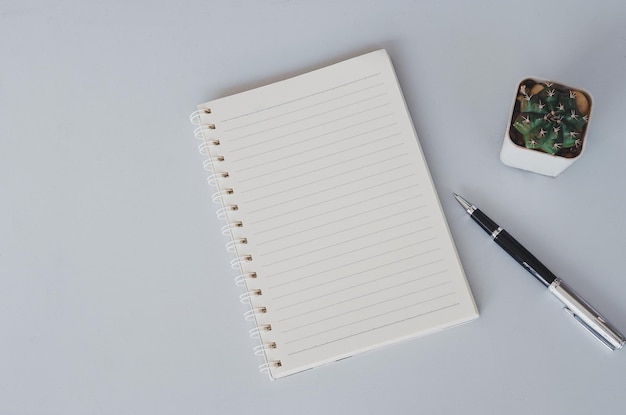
pixel 516 154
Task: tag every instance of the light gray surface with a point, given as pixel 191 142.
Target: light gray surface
pixel 116 295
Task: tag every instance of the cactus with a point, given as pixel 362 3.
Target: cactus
pixel 551 118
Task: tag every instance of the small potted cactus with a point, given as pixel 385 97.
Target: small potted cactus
pixel 548 126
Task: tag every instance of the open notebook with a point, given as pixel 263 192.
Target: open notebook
pixel 338 235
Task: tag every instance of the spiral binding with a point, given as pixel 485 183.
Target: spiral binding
pixel 218 178
pixel 219 195
pixel 265 367
pixel 255 333
pixel 246 298
pixel 211 161
pixel 251 314
pixel 212 179
pixel 228 228
pixel 262 348
pixel 195 116
pixel 203 148
pixel 240 280
pixel 222 213
pixel 232 245
pixel 237 263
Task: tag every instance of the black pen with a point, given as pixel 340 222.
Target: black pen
pixel 575 305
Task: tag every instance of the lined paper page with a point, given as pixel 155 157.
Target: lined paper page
pixel 347 237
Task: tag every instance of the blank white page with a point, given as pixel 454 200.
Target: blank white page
pixel 341 220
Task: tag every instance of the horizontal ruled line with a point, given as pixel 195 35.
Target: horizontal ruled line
pixel 295 143
pixel 350 276
pixel 334 177
pixel 351 239
pixel 324 167
pixel 300 220
pixel 344 253
pixel 360 225
pixel 297 132
pixel 349 264
pixel 291 155
pixel 310 117
pixel 352 287
pixel 378 327
pixel 405 188
pixel 308 107
pixel 337 187
pixel 302 98
pixel 368 306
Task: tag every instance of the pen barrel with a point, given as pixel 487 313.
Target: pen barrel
pixel 514 248
pixel 484 221
pixel 586 315
pixel 524 258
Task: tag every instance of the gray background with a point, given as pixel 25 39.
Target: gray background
pixel 116 295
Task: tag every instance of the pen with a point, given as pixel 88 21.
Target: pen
pixel 575 305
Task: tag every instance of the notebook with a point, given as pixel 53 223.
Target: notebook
pixel 339 240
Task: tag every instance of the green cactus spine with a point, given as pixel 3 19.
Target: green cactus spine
pixel 549 118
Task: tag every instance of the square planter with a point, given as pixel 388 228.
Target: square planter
pixel 548 127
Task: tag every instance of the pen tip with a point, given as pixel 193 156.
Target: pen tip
pixel 464 203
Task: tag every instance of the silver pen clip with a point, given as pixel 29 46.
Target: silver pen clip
pixel 589 329
pixel 587 316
